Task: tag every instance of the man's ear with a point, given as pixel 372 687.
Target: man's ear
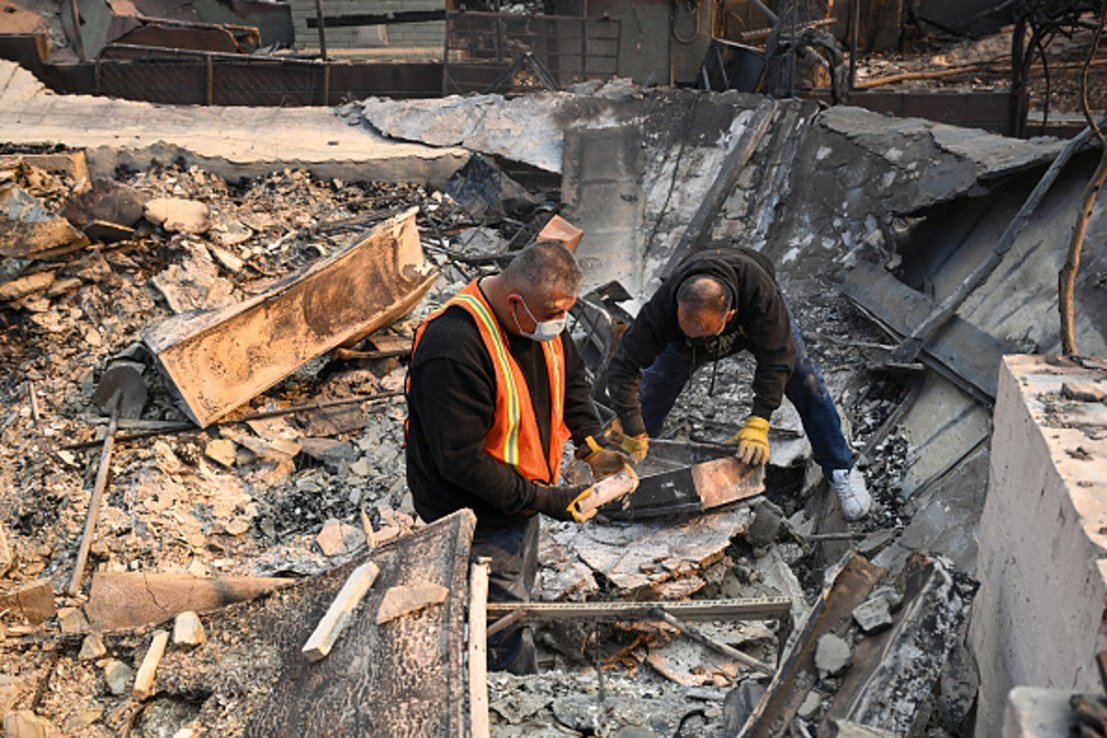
pixel 730 315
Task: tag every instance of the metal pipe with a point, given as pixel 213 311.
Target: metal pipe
pixel 322 29
pixel 854 23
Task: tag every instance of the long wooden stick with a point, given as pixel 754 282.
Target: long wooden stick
pixel 94 502
pixel 700 637
pixel 478 650
pixel 185 427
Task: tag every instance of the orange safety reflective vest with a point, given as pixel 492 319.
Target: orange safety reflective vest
pixel 514 438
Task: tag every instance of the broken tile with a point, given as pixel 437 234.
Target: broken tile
pixel 92 647
pixel 72 620
pixel 409 599
pixel 28 284
pixel 178 215
pixel 222 451
pixel 338 538
pixel 118 676
pixel 188 630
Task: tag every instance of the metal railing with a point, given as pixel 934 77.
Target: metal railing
pixel 166 75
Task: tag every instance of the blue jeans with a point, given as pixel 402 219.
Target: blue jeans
pixel 511 574
pixel 664 380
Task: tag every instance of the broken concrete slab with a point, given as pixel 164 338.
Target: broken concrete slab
pixel 522 128
pixel 219 360
pixel 131 599
pixel 626 554
pixel 1046 476
pixel 252 141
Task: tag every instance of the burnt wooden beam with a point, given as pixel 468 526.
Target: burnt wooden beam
pixel 832 613
pixel 218 360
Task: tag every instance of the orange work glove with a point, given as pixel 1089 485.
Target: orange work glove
pixel 603 461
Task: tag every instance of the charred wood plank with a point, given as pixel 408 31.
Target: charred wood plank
pixel 218 360
pixel 328 630
pixel 833 613
pixel 121 600
pixel 403 678
pixel 478 650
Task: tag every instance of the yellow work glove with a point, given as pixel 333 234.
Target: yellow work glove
pixel 636 446
pixel 603 461
pixel 753 441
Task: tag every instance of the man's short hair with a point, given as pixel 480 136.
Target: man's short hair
pixel 545 265
pixel 703 293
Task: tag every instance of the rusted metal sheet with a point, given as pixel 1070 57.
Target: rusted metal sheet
pixel 403 678
pixel 220 359
pixel 833 613
pixel 688 478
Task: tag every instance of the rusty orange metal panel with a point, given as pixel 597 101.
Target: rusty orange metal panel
pixel 218 360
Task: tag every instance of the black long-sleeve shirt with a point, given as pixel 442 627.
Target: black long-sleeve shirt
pixel 451 404
pixel 761 326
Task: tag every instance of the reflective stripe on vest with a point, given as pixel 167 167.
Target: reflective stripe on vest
pixel 514 437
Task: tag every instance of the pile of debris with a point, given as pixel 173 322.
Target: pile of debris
pixel 272 495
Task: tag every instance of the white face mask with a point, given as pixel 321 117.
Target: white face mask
pixel 544 330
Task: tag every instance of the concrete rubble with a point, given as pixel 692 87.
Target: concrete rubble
pixel 237 518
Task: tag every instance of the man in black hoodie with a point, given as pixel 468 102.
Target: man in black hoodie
pixel 718 302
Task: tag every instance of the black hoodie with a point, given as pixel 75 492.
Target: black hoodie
pixel 760 326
